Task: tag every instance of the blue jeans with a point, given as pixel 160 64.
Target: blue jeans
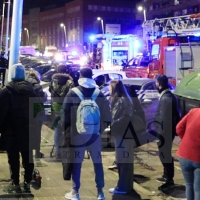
pixel 94 147
pixel 57 138
pixel 191 174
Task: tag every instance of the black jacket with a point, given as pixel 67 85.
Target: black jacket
pixel 167 115
pixel 16 122
pixel 122 112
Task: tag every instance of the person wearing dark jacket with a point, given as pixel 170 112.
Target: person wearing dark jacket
pixel 166 118
pixel 59 86
pixel 122 112
pixel 15 125
pixel 3 67
pixel 81 142
pixel 33 77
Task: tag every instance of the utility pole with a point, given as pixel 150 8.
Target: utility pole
pixel 15 34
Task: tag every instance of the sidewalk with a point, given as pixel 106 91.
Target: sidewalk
pixel 147 168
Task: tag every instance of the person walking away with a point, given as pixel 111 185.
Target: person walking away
pixel 86 135
pixel 122 111
pixel 33 77
pixel 166 118
pixel 188 129
pixel 61 83
pixel 14 128
pixel 3 67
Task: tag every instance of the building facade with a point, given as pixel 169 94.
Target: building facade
pixel 70 26
pixel 167 8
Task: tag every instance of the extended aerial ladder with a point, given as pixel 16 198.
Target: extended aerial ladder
pixel 187 24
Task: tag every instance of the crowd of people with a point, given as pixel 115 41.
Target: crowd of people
pixel 80 113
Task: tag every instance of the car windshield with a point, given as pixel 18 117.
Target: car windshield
pixel 47 76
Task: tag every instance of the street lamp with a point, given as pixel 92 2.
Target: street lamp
pixel 64 28
pixel 141 8
pixel 100 19
pixel 27 32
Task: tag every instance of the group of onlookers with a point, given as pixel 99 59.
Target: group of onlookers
pixel 81 113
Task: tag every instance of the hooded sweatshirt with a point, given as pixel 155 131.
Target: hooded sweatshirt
pixel 72 101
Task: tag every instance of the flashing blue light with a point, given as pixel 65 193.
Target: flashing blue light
pixel 92 37
pixel 74 53
pixel 137 44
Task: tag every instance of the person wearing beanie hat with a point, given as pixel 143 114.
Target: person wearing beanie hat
pixel 93 143
pixel 14 127
pixel 17 72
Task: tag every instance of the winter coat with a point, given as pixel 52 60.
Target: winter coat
pixel 167 115
pixel 122 112
pixel 16 124
pixel 39 107
pixel 188 129
pixel 59 87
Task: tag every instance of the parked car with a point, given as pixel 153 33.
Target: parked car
pixel 148 96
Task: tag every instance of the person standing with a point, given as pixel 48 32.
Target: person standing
pixel 33 77
pixel 15 127
pixel 188 129
pixel 60 85
pixel 122 112
pixel 166 118
pixel 91 141
pixel 3 67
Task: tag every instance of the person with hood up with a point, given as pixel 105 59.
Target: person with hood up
pixel 16 127
pixel 60 85
pixel 33 77
pixel 86 141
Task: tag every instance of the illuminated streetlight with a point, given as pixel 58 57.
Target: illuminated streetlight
pixel 27 32
pixel 141 8
pixel 64 28
pixel 100 19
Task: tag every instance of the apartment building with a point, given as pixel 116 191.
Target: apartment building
pixel 72 25
pixel 167 8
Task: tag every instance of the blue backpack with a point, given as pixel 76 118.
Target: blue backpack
pixel 88 114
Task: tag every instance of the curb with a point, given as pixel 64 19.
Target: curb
pixel 142 190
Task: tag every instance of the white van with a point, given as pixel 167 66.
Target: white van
pixel 27 50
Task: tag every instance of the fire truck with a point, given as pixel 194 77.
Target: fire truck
pixel 175 48
pixel 113 51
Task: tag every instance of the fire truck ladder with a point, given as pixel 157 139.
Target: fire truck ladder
pixel 187 24
pixel 181 25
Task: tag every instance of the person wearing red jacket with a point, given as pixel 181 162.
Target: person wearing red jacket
pixel 188 130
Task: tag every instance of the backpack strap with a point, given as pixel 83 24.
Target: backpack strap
pixel 81 97
pixel 95 94
pixel 78 93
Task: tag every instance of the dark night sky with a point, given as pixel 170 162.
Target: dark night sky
pixel 27 4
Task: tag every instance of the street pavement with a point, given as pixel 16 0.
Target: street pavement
pixel 146 168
